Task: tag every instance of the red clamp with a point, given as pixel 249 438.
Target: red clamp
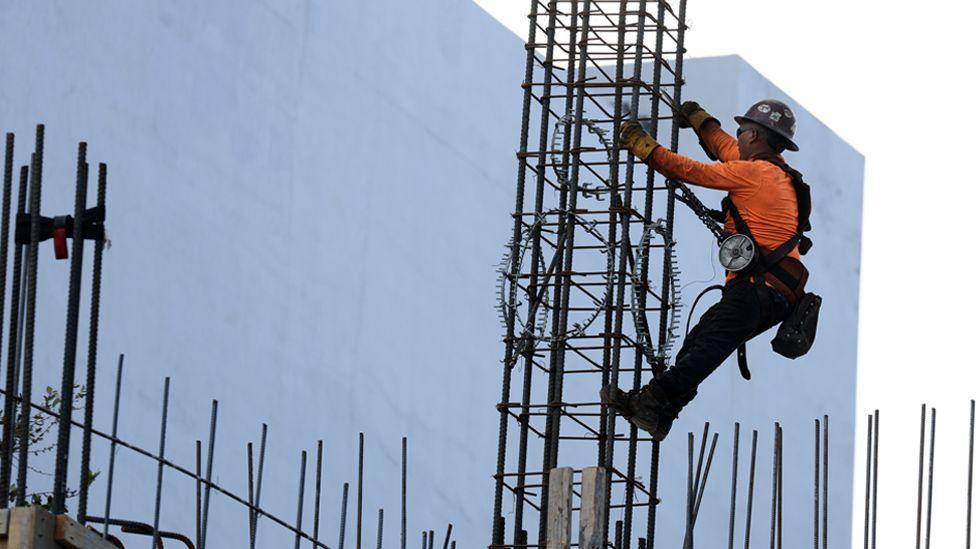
pixel 60 237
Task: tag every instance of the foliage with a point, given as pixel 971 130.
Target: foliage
pixel 39 427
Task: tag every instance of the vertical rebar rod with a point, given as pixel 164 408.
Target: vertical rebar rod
pixel 342 515
pixel 669 218
pixel 701 459
pixel 874 480
pixel 567 235
pixel 37 163
pixel 637 76
pixel 867 480
pixel 648 210
pixel 921 471
pixel 928 512
pixel 752 486
pixel 403 495
pixel 250 490
pixel 301 501
pixel 430 539
pixel 773 485
pixel 816 484
pixel 318 491
pixel 198 484
pixel 160 467
pixel 71 337
pixel 8 181
pixel 618 534
pixel 691 490
pixel 498 532
pixel 610 375
pixel 623 219
pixel 6 439
pixel 94 309
pixel 676 100
pixel 735 479
pixel 205 515
pixel 112 446
pixel 969 483
pixel 359 495
pixel 562 256
pixel 826 475
pixel 379 530
pixel 423 540
pixel 447 537
pixel 524 415
pixel 257 489
pixel 779 488
pixel 701 489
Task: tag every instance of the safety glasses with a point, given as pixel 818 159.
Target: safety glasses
pixel 742 130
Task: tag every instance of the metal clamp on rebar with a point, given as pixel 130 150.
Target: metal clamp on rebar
pixel 61 227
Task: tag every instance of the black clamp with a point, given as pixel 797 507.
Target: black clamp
pixel 61 228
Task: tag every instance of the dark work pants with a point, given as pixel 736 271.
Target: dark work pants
pixel 745 311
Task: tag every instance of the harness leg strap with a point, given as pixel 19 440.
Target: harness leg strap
pixel 740 355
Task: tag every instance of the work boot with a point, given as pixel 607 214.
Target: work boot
pixel 648 408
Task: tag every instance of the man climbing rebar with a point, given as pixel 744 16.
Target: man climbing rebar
pixel 768 203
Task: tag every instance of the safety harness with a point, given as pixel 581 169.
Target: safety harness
pixel 785 274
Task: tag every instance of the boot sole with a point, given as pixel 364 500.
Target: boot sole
pixel 648 427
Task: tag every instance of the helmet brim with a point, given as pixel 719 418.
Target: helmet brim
pixel 790 145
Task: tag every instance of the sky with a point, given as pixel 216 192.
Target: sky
pixel 895 80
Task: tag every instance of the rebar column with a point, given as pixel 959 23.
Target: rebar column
pixel 572 260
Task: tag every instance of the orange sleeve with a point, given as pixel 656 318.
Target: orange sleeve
pixel 723 145
pixel 729 176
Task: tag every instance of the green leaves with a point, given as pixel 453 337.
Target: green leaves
pixel 39 426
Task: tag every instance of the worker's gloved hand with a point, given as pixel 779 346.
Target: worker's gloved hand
pixel 636 140
pixel 692 115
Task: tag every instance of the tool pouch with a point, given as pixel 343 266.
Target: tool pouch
pixel 796 334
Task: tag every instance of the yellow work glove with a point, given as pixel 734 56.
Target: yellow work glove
pixel 692 115
pixel 636 140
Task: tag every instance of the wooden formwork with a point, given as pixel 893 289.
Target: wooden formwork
pixel 36 528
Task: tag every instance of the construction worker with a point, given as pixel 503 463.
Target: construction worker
pixel 763 203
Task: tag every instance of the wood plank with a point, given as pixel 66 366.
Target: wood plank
pixel 593 508
pixel 73 535
pixel 560 512
pixel 30 528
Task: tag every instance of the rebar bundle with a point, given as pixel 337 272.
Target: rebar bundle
pixel 23 411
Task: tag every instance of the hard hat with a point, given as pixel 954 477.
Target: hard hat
pixel 773 115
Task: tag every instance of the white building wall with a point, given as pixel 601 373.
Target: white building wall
pixel 306 203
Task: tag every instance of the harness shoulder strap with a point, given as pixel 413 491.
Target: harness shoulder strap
pixel 729 207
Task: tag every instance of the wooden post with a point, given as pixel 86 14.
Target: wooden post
pixel 593 509
pixel 35 528
pixel 560 512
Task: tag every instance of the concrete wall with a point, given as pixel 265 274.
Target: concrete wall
pixel 306 202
